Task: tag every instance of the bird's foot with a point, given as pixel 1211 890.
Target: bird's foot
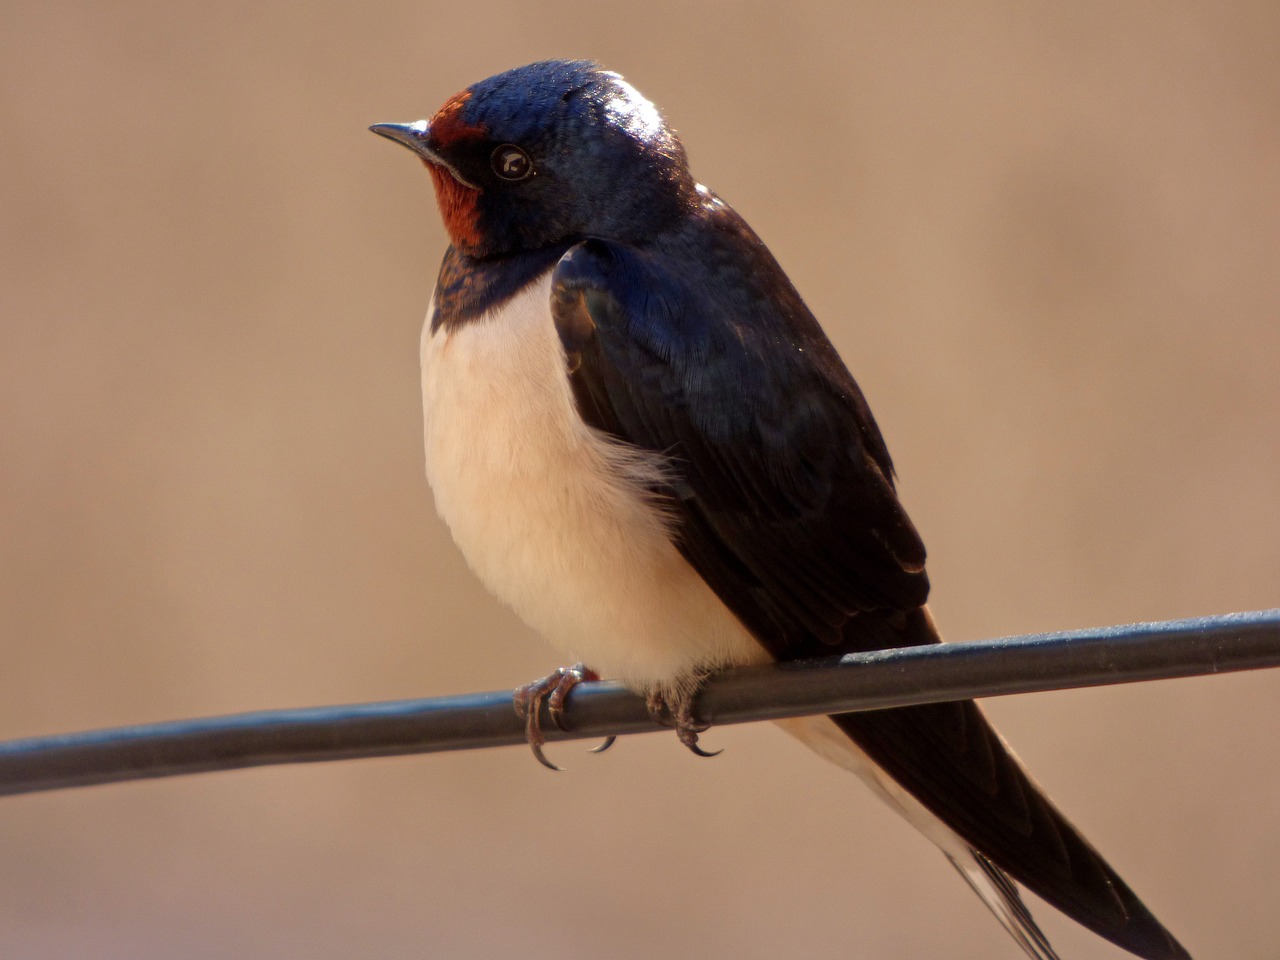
pixel 675 709
pixel 553 689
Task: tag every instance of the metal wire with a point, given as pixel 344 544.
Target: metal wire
pixel 883 679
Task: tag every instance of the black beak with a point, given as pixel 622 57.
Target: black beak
pixel 415 137
pixel 411 135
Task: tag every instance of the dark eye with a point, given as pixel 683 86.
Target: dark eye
pixel 511 163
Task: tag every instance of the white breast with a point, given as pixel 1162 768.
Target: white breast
pixel 552 515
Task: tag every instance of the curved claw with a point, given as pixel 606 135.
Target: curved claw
pixel 554 688
pixel 698 751
pixel 677 711
pixel 528 703
pixel 609 741
pixel 542 758
pixel 687 731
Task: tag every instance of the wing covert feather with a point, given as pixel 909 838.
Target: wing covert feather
pixel 774 474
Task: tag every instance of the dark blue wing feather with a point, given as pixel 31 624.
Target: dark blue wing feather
pixel 697 346
pixel 781 472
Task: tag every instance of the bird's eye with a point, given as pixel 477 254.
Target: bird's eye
pixel 511 163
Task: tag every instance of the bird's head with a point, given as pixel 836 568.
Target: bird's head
pixel 551 152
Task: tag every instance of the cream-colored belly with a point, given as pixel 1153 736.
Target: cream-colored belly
pixel 552 515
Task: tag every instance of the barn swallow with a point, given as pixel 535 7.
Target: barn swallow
pixel 641 439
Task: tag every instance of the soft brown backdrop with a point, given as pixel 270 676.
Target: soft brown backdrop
pixel 1045 239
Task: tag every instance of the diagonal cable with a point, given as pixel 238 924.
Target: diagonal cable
pixel 870 681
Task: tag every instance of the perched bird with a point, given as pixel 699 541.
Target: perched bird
pixel 642 441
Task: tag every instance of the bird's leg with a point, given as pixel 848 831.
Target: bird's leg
pixel 553 689
pixel 675 709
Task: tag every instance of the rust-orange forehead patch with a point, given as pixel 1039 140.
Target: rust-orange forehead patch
pixel 448 127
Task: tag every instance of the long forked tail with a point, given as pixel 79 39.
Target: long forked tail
pixel 945 769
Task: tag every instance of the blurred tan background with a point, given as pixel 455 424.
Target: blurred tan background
pixel 1044 237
